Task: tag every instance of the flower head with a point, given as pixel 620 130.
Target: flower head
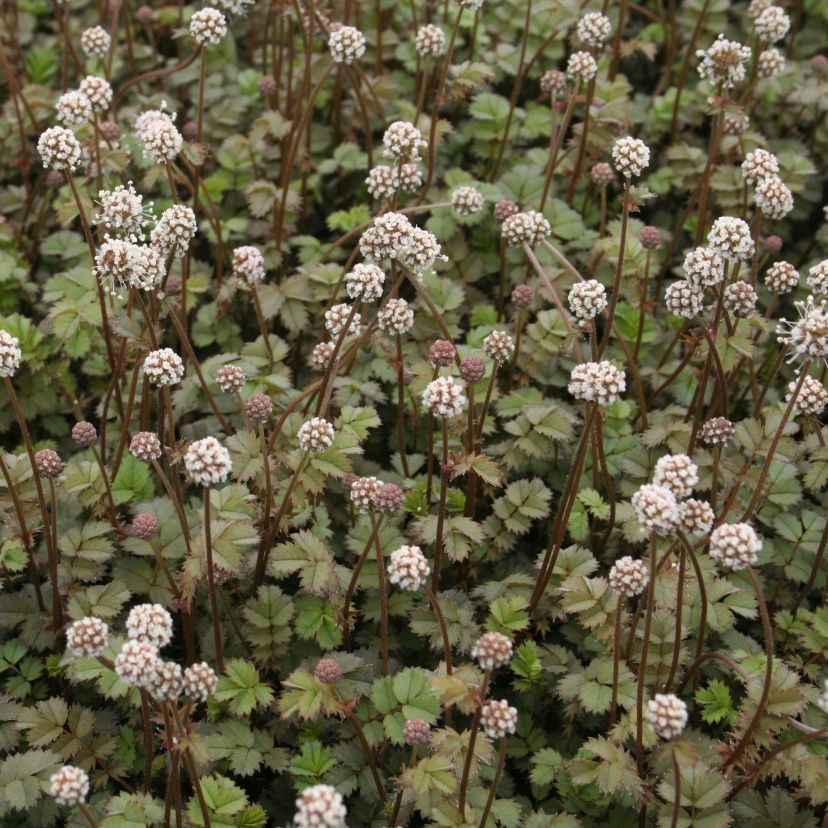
pixel 248 264
pixel 73 109
pixel 346 44
pixel 631 156
pixel 316 434
pixel 667 715
pixel 320 806
pixel 396 317
pixel 69 786
pixel 151 623
pixel 163 367
pixel 782 277
pixel 492 650
pixel 656 509
pixel 402 140
pixel 723 63
pixel 735 545
pixel 408 568
pixel 597 382
pixel 59 149
pixel 806 337
pixel 430 40
pixel 87 637
pixel 98 91
pixel 10 354
pixel 678 473
pixel 175 230
pixel 200 681
pixel 207 27
pixel 444 397
pixel 581 66
pixel 207 461
pixel 137 663
pixel 498 718
pixel 594 29
pixel 628 577
pixel 95 41
pixel 530 227
pixel 730 238
pixel 467 201
pixel 587 299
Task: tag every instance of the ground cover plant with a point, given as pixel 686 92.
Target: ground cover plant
pixel 413 414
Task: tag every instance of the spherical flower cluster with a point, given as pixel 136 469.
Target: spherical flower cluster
pixel 758 164
pixel 175 230
pixel 48 463
pixel 327 671
pixel 723 64
pixel 84 434
pixel 137 663
pixel 442 353
pixel 10 354
pixel 467 201
pixel 631 156
pixel 772 244
pixel 163 367
pixel 346 44
pixel 320 806
pixel 735 545
pixel 59 149
pixel 492 650
pixel 69 786
pixel 144 526
pixel 267 85
pixel 258 407
pixel 734 123
pixel 602 174
pixel 553 82
pixel 168 681
pixel 98 91
pixel 396 317
pixel 628 577
pixel 362 493
pixel 523 296
pixel 696 517
pixel 230 378
pixel 73 109
pixel 656 509
pixel 381 182
pixel 337 317
pixel 160 136
pixel 581 66
pixel 782 277
pixel 503 209
pixel 498 345
pixel 530 227
pixel 650 237
pixel 388 498
pixel 207 27
pixel 321 355
pixel 772 24
pixel 95 41
pixel 597 382
pixel 587 299
pixel 812 397
pixel 667 715
pixel 122 209
pixel 703 267
pixel 316 434
pixel 756 7
pixel 740 298
pixel 594 29
pixel 87 637
pixel 207 461
pixel 416 732
pixel 419 251
pixel 403 140
pixel 200 681
pixel 770 63
pixel 409 178
pixel 248 264
pixel 383 239
pixel 818 278
pixel 773 197
pixel 444 397
pixel 730 238
pixel 678 473
pixel 718 431
pixel 408 568
pixel 151 623
pixel 121 263
pixel 498 718
pixel 145 446
pixel 806 337
pixel 430 40
pixel 472 370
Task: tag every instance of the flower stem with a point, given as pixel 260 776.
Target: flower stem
pixel 501 760
pixel 211 582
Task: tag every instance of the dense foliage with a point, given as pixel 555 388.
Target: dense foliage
pixel 400 424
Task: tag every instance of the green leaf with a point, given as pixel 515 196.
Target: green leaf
pixel 132 481
pixel 241 687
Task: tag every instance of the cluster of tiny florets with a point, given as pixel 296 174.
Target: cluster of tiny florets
pixel 388 498
pixel 316 434
pixel 362 492
pixel 812 397
pixel 207 461
pixel 441 353
pixel 498 718
pixel 151 623
pixel 175 230
pixel 384 238
pixel 740 298
pixel 696 516
pixel 200 681
pixel 530 227
pixel 499 346
pixel 396 317
pixel 717 431
pixel 758 164
pixel 771 62
pixel 656 509
pixel 95 41
pixel 723 63
pixel 678 473
pixel 403 140
pixel 230 378
pixel 587 299
pixel 806 337
pixel 320 806
pixel 59 149
pixel 73 109
pixel 248 264
pixel 818 278
pixel 346 44
pixel 207 27
pixel 730 238
pixel 597 382
pixel 782 277
pixel 628 577
pixel 48 463
pixel 581 66
pixel 338 316
pixel 122 210
pixel 772 24
pixel 467 200
pixel 419 251
pixel 631 156
pixel 10 354
pixel 87 637
pixel 735 545
pixel 773 197
pixel 703 267
pixel 416 732
pixel 444 397
pixel 145 446
pixel 667 715
pixel 163 367
pixel 492 650
pixel 137 663
pixel 69 786
pixel 327 671
pixel 258 408
pixel 408 568
pixel 430 40
pixel 160 136
pixel 594 29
